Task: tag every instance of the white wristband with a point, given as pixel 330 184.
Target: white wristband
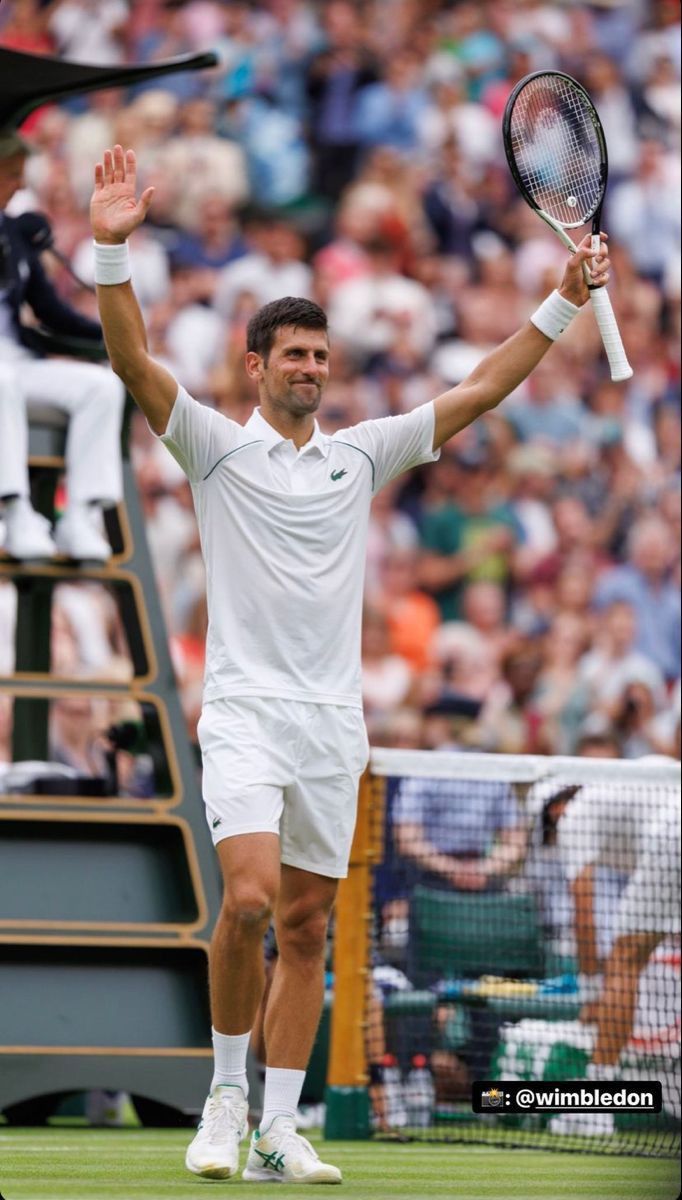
pixel 553 315
pixel 112 263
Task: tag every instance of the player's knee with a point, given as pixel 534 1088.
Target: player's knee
pixel 248 908
pixel 303 933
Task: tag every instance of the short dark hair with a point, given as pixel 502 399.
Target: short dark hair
pixel 290 310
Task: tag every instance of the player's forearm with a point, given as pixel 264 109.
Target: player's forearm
pixel 505 368
pixel 124 331
pixel 585 932
pixel 495 377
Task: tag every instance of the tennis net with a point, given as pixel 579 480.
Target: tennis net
pixel 525 926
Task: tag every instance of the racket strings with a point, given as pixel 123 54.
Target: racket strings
pixel 557 150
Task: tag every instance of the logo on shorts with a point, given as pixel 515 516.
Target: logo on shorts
pixel 338 475
pixel 216 822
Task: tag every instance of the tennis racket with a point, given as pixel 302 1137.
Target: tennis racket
pixel 556 151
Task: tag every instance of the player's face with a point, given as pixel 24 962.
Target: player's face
pixel 11 177
pixel 296 371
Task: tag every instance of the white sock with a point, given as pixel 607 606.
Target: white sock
pixel 283 1089
pixel 599 1071
pixel 229 1059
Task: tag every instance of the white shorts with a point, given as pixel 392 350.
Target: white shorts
pixel 285 767
pixel 650 902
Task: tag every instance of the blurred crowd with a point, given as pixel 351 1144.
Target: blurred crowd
pixel 528 582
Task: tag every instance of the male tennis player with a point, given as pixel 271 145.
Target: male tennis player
pixel 633 829
pixel 283 512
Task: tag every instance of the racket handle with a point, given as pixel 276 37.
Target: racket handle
pixel 610 334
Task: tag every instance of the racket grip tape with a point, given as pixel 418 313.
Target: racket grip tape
pixel 610 334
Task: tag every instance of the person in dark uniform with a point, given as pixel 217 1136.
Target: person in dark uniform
pixel 88 393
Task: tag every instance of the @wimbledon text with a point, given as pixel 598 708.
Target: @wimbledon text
pixel 567 1095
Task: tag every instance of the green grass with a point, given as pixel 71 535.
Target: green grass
pixel 145 1164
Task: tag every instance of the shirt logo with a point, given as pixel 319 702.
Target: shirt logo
pixel 338 475
pixel 216 822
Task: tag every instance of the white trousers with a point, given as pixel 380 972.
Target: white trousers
pixel 93 399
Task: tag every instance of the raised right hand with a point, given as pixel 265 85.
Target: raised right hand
pixel 115 210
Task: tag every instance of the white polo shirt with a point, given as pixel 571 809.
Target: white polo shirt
pixel 283 533
pixel 613 826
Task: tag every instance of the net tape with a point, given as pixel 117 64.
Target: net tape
pixel 557 150
pixel 513 768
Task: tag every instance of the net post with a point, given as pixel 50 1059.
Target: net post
pixel 346 1096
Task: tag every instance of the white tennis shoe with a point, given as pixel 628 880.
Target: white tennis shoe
pixel 79 534
pixel 214 1152
pixel 27 533
pixel 281 1155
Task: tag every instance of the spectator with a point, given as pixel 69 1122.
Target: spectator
pixel 451 204
pixel 273 142
pixel 334 79
pixel 556 700
pixel 273 268
pixel 386 676
pixel 597 738
pixel 214 240
pixel 484 607
pixel 613 101
pixel 206 163
pixel 26 29
pixel 635 716
pixel 512 724
pixel 452 118
pixel 411 615
pixel 389 529
pixel 372 313
pixel 76 724
pixel 164 36
pixel 389 113
pixel 643 207
pixel 551 413
pixel 467 538
pixel 457 833
pixel 613 661
pixel 90 31
pixel 643 582
pixel 534 472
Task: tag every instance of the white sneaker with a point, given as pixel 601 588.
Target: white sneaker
pixel 27 533
pixel 281 1155
pixel 214 1152
pixel 583 1124
pixel 77 535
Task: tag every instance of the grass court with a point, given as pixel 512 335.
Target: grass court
pixel 145 1164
